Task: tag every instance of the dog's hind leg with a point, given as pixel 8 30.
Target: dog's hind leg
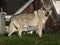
pixel 20 33
pixel 20 29
pixel 13 30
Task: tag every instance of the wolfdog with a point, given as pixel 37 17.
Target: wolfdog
pixel 19 22
pixel 37 19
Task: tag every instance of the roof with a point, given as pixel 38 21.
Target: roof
pixel 13 5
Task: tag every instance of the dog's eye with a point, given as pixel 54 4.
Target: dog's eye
pixel 44 8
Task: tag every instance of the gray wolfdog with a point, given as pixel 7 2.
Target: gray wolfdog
pixel 37 19
pixel 19 22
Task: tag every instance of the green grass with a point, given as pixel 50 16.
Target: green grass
pixel 27 39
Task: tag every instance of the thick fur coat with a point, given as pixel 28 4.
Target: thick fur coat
pixel 27 19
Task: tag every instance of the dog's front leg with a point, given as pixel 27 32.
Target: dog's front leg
pixel 40 31
pixel 40 28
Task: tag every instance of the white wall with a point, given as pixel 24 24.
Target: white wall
pixel 57 6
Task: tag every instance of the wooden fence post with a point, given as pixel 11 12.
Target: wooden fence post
pixel 2 24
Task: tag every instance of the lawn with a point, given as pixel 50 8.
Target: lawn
pixel 28 39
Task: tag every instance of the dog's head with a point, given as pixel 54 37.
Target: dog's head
pixel 46 7
pixel 46 10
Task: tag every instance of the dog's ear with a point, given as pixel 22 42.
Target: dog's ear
pixel 42 1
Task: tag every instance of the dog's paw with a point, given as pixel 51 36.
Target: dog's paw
pixel 9 35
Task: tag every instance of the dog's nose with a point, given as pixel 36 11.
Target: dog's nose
pixel 47 13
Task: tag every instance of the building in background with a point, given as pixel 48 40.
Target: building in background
pixel 28 6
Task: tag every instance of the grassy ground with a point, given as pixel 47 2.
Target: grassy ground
pixel 27 39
